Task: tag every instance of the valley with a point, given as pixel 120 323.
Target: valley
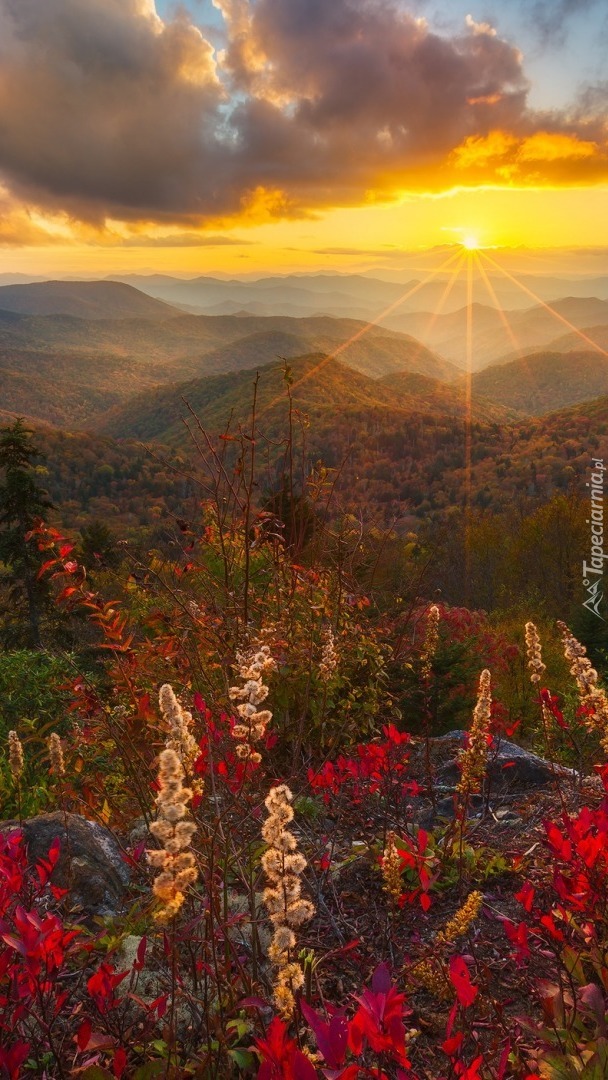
pixel 383 410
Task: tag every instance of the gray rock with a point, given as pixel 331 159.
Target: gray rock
pixel 510 767
pixel 90 864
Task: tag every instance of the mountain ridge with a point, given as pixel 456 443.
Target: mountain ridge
pixel 544 382
pixel 95 299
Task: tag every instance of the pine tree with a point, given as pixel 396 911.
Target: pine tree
pixel 23 502
pixel 98 549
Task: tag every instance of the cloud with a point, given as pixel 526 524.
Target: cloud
pixel 18 228
pixel 549 156
pixel 593 98
pixel 183 240
pixel 110 114
pixel 550 18
pixel 104 109
pixel 385 251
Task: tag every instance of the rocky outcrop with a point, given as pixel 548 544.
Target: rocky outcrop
pixel 90 864
pixel 510 768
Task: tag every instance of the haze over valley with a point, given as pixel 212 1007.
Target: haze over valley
pixel 112 360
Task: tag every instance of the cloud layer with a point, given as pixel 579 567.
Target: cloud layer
pixel 109 114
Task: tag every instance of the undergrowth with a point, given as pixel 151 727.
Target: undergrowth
pixel 259 736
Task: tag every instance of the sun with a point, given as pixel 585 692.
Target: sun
pixel 471 243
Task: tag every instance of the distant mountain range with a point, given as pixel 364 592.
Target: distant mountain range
pixel 66 370
pixel 129 322
pixel 356 296
pixel 544 382
pixel 85 299
pixel 103 366
pixel 69 370
pixel 571 342
pixel 496 335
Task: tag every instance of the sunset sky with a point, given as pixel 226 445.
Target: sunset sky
pixel 273 135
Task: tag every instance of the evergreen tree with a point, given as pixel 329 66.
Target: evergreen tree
pixel 23 502
pixel 295 513
pixel 98 549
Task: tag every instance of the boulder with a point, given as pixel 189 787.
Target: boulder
pixel 510 767
pixel 90 864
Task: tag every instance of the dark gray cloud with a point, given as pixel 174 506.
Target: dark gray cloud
pixel 109 113
pixel 593 98
pixel 362 76
pixel 105 110
pixel 551 19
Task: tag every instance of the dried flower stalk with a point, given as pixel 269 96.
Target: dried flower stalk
pixel 592 696
pixel 391 868
pixel 253 666
pixel 431 640
pixel 473 758
pixel 56 754
pixel 177 865
pixel 283 865
pixel 430 975
pixel 462 920
pixel 180 738
pixel 329 656
pixel 533 649
pixel 15 756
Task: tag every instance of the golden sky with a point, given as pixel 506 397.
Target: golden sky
pixel 262 135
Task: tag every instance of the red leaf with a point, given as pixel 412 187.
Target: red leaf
pixel 504 1061
pixel 472 1072
pixel 452 1045
pixel 141 953
pixel 45 566
pixel 518 935
pixel 13 1059
pixel 160 1005
pixel 67 592
pixel 461 981
pixel 332 1037
pixel 526 896
pixel 14 943
pixel 120 1061
pixel 84 1034
pixel 303 1069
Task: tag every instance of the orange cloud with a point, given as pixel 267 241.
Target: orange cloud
pixel 554 146
pixel 483 151
pixel 545 157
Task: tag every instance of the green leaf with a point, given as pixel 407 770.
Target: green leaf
pixel 151 1069
pixel 238 1028
pixel 243 1058
pixel 572 962
pixel 557 1067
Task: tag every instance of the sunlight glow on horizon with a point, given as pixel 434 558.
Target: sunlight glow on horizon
pixel 348 239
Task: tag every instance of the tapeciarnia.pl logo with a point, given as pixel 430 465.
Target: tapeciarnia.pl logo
pixel 593 571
